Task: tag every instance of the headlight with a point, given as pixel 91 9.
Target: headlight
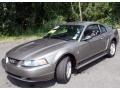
pixel 32 63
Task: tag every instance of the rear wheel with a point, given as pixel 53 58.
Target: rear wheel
pixel 64 70
pixel 112 49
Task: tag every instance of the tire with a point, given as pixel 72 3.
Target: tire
pixel 112 49
pixel 64 70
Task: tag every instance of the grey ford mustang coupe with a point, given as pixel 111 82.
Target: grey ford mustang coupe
pixel 65 48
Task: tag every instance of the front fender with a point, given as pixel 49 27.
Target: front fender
pixel 62 53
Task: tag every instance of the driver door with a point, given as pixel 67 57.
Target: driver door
pixel 92 46
pixel 97 42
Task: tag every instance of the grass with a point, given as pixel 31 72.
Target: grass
pixel 15 38
pixel 34 33
pixel 21 37
pixel 26 36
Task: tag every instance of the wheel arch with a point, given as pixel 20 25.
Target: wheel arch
pixel 115 40
pixel 112 39
pixel 72 58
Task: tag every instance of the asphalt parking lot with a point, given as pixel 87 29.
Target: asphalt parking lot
pixel 103 73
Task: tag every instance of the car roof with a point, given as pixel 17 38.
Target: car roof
pixel 84 23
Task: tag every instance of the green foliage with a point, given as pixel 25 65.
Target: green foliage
pixel 50 24
pixel 106 20
pixel 96 11
pixel 18 19
pixel 40 31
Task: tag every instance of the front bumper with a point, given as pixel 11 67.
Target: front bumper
pixel 29 74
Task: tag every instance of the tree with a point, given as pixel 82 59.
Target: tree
pixel 21 18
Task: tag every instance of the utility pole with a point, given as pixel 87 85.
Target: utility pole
pixel 80 11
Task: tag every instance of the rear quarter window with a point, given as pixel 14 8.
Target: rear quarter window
pixel 103 29
pixel 108 28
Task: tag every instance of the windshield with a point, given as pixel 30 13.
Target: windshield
pixel 68 32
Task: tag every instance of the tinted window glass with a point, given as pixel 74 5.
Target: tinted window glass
pixel 67 32
pixel 92 30
pixel 103 29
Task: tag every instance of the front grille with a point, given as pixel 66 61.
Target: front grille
pixel 13 61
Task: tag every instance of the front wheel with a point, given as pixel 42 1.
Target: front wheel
pixel 64 70
pixel 112 49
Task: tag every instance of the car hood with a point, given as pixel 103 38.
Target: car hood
pixel 26 50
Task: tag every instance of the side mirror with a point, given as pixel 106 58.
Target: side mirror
pixel 87 38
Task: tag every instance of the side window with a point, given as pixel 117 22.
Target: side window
pixel 92 30
pixel 103 29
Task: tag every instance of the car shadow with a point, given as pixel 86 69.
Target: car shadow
pixel 50 83
pixel 22 84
